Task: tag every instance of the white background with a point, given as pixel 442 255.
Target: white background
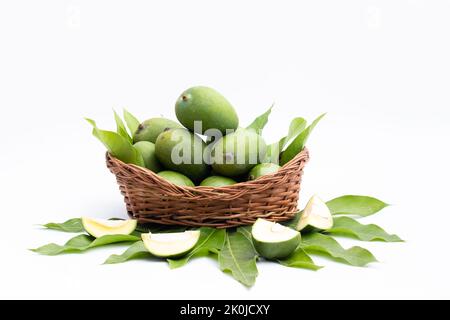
pixel 379 68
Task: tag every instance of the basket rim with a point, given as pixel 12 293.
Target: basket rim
pixel 302 155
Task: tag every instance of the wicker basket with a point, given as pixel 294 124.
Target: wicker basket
pixel 151 199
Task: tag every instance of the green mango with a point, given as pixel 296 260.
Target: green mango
pixel 236 153
pixel 147 151
pixel 176 178
pixel 217 181
pixel 208 106
pixel 182 151
pixel 262 169
pixel 150 129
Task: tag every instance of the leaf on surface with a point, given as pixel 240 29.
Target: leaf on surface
pixel 136 251
pixel 346 226
pixel 72 225
pixel 118 146
pixel 238 258
pixel 82 243
pixel 321 243
pixel 362 206
pixel 299 259
pixel 211 241
pixel 297 145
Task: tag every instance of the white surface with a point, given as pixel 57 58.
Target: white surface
pixel 379 68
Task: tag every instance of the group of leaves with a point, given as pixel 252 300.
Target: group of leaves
pixel 233 248
pixel 285 149
pixel 120 143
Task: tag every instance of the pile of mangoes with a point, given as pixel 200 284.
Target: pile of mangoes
pixel 207 147
pixel 213 146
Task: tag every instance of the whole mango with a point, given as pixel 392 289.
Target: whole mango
pixel 176 178
pixel 236 153
pixel 150 129
pixel 217 181
pixel 262 169
pixel 207 106
pixel 147 150
pixel 182 151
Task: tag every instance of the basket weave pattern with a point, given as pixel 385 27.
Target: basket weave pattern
pixel 151 199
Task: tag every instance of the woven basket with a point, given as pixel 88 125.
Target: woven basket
pixel 152 199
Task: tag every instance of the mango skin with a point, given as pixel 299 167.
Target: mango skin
pixel 147 150
pixel 179 141
pixel 150 129
pixel 176 178
pixel 276 250
pixel 237 153
pixel 262 169
pixel 208 106
pixel 217 181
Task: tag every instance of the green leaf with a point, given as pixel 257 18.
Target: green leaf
pixel 131 121
pixel 299 259
pixel 238 258
pixel 211 241
pixel 295 128
pixel 82 243
pixel 346 226
pixel 260 122
pixel 362 206
pixel 314 243
pixel 136 251
pixel 72 225
pixel 299 142
pixel 117 145
pixel 121 129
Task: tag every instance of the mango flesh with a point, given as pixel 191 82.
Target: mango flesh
pixel 147 150
pixel 235 154
pixel 263 169
pixel 182 151
pixel 150 129
pixel 217 181
pixel 176 178
pixel 208 106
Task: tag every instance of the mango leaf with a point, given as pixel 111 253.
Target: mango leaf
pixel 72 225
pixel 238 258
pixel 346 226
pixel 82 243
pixel 211 241
pixel 247 232
pixel 260 122
pixel 136 251
pixel 362 206
pixel 117 145
pixel 121 129
pixel 295 128
pixel 320 243
pixel 299 259
pixel 131 121
pixel 299 142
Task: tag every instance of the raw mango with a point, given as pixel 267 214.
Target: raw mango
pixel 235 154
pixel 147 151
pixel 263 169
pixel 176 178
pixel 150 129
pixel 182 151
pixel 273 240
pixel 217 181
pixel 208 106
